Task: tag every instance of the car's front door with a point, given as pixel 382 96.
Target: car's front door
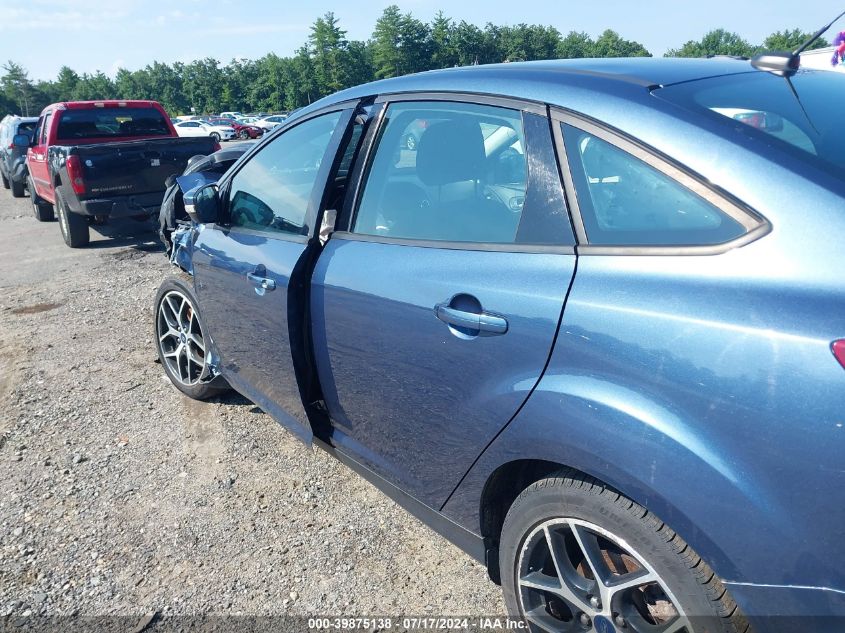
pixel 435 312
pixel 248 269
pixel 39 169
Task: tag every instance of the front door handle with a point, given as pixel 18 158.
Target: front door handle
pixel 481 321
pixel 262 284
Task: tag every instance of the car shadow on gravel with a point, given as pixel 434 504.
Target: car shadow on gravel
pixel 124 232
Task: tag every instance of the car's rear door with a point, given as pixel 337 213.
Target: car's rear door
pixel 435 311
pixel 249 270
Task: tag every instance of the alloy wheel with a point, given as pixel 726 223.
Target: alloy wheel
pixel 180 339
pixel 574 576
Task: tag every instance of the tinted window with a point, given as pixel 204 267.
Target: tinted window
pixel 271 192
pixel 797 116
pixel 114 122
pixel 625 201
pixel 446 171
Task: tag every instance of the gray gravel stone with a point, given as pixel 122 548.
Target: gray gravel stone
pixel 258 524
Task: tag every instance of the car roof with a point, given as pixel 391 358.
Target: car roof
pixel 546 81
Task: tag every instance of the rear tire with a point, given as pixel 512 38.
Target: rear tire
pixel 596 532
pixel 73 225
pixel 181 337
pixel 18 189
pixel 43 211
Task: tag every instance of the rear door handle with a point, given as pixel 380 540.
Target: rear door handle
pixel 262 284
pixel 484 322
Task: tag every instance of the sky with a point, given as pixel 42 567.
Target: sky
pixel 91 35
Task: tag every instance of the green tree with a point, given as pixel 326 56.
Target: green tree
pixel 329 47
pixel 791 40
pixel 610 44
pixel 575 45
pixel 386 41
pixel 717 42
pixel 443 51
pixel 414 45
pixel 65 84
pixel 17 88
pixel 94 87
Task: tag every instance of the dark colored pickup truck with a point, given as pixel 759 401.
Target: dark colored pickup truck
pixel 91 160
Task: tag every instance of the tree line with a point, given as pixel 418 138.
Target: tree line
pixel 328 61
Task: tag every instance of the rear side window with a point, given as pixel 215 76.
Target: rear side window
pixel 26 128
pixel 111 122
pixel 447 172
pixel 625 201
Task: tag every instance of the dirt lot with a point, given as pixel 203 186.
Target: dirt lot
pixel 119 496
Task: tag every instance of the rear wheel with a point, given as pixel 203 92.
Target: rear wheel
pixel 43 211
pixel 181 341
pixel 18 189
pixel 576 555
pixel 74 226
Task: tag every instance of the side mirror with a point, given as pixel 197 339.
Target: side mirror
pixel 21 140
pixel 203 204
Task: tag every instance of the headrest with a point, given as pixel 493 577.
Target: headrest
pixel 451 151
pixel 602 160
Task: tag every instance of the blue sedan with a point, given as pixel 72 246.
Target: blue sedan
pixel 590 326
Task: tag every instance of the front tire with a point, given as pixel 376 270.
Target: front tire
pixel 182 343
pixel 244 135
pixel 5 180
pixel 43 211
pixel 216 137
pixel 576 555
pixel 73 225
pixel 18 189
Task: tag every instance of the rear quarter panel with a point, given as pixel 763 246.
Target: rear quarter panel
pixel 704 387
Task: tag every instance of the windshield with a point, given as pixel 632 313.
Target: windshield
pixel 797 115
pixel 111 122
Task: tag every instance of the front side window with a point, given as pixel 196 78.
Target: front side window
pixel 446 171
pixel 625 201
pixel 272 191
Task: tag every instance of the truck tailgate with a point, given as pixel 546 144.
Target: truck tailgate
pixel 135 167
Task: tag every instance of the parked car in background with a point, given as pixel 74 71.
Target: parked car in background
pixel 101 159
pixel 223 127
pixel 614 377
pixel 203 128
pixel 269 122
pixel 230 115
pixel 242 130
pixel 820 59
pixel 13 157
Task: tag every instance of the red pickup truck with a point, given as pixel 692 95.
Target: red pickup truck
pixel 99 159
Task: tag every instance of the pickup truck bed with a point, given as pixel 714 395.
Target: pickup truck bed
pixel 126 178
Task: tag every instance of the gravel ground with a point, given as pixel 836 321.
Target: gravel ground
pixel 120 496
